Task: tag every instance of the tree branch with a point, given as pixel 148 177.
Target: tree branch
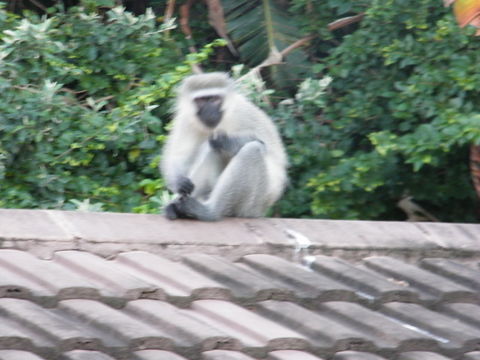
pixel 340 23
pixel 169 11
pixel 296 45
pixel 185 26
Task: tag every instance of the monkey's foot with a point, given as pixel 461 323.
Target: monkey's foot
pixel 187 207
pixel 171 212
pixel 182 208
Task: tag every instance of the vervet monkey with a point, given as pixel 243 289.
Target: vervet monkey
pixel 224 156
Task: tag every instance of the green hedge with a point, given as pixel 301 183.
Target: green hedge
pixel 399 116
pixel 83 104
pixel 84 101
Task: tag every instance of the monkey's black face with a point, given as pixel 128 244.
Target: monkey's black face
pixel 209 109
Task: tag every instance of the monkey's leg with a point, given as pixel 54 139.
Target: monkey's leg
pixel 203 175
pixel 240 191
pixel 205 171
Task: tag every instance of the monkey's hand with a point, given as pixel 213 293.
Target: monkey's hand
pixel 220 141
pixel 184 186
pixel 228 145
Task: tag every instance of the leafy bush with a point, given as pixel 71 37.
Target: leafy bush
pixel 85 99
pixel 399 116
pixel 304 132
pixel 83 103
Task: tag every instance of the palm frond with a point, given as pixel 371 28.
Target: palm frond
pixel 258 26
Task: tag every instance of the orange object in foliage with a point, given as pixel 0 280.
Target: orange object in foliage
pixel 467 12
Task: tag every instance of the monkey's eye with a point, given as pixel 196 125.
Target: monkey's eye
pixel 213 100
pixel 217 100
pixel 200 101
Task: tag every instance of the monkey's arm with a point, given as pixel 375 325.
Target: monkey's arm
pixel 229 145
pixel 177 159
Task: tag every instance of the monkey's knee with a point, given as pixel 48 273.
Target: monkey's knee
pixel 253 150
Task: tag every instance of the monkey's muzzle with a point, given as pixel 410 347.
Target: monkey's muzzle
pixel 210 114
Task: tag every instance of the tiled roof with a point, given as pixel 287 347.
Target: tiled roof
pixel 115 286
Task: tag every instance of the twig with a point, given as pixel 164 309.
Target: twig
pixel 275 57
pixel 184 25
pixel 296 45
pixel 105 98
pixel 73 91
pixel 26 88
pixel 37 4
pixel 169 11
pixel 216 17
pixel 340 23
pixel 66 152
pixel 414 211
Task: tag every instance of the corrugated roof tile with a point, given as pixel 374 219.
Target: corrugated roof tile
pixel 15 335
pixel 457 272
pixel 18 355
pixel 246 284
pixel 461 337
pixel 432 287
pixel 324 332
pixel 475 355
pixel 141 306
pixel 467 313
pixel 114 283
pixel 291 355
pixel 306 284
pixel 14 285
pixel 385 332
pixel 50 325
pixel 157 355
pixel 225 355
pixel 49 282
pixel 355 355
pixel 368 284
pixel 257 334
pixel 86 355
pixel 255 289
pixel 127 332
pixel 187 332
pixel 421 355
pixel 179 282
